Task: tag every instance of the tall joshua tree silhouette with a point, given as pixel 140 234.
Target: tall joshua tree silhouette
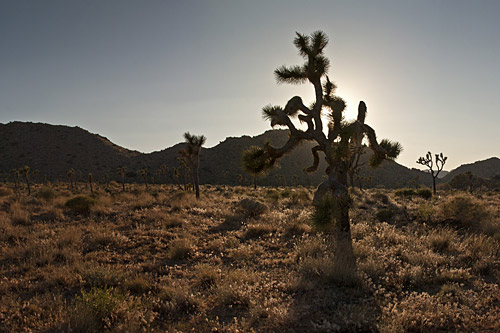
pixel 341 141
pixel 427 161
pixel 191 154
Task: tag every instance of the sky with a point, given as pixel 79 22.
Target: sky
pixel 141 73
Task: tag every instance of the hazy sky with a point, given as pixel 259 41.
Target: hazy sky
pixel 143 72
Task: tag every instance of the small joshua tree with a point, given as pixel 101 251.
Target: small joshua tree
pixel 121 172
pixel 71 177
pixel 15 173
pixel 191 155
pixel 144 175
pixel 341 140
pixel 186 170
pixel 251 165
pixel 428 162
pixel 25 171
pixel 91 179
pixel 176 175
pixel 163 172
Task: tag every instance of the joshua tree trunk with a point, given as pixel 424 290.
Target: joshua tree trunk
pixel 433 184
pixel 351 179
pixel 28 185
pixel 196 176
pixel 254 182
pixel 336 186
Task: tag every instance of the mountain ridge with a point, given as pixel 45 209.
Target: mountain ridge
pixel 66 147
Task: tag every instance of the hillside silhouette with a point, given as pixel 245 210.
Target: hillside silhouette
pixel 485 169
pixel 54 149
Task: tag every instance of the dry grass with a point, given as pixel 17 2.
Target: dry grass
pixel 245 260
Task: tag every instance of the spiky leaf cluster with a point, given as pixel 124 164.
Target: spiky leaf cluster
pixel 255 161
pixel 427 161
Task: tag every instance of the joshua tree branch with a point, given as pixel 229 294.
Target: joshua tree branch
pixel 315 154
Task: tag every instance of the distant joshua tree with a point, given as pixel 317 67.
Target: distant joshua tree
pixel 251 165
pixel 192 156
pixel 121 172
pixel 342 140
pixel 15 173
pixel 91 179
pixel 176 175
pixel 25 171
pixel 144 175
pixel 427 161
pixel 186 174
pixel 164 172
pixel 71 178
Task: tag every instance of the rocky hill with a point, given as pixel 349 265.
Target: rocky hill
pixel 54 149
pixel 485 169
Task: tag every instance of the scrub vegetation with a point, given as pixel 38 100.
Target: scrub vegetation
pixel 240 259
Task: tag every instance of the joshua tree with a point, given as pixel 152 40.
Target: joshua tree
pixel 71 177
pixel 144 174
pixel 427 161
pixel 15 173
pixel 164 172
pixel 192 156
pixel 121 172
pixel 106 180
pixel 251 164
pixel 91 178
pixel 176 174
pixel 25 171
pixel 342 140
pixel 182 159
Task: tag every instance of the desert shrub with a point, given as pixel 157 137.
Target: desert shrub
pixel 381 197
pixel 299 197
pixel 425 211
pixel 102 276
pixel 465 210
pixel 80 204
pixel 5 191
pixel 180 249
pixel 142 200
pixel 384 215
pixel 100 238
pixel 96 309
pixel 176 301
pixel 18 214
pixel 206 275
pixel 440 241
pixel 424 193
pixel 137 285
pixel 172 222
pixel 46 193
pixel 137 191
pixel 252 208
pixel 258 230
pixel 410 193
pixel 297 228
pixel 273 195
pixel 405 192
